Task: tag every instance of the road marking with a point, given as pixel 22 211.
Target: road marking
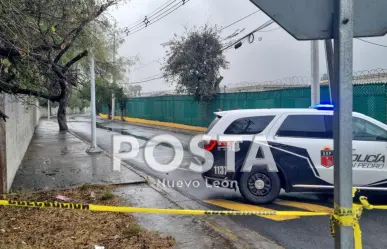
pixel 304 205
pixel 246 207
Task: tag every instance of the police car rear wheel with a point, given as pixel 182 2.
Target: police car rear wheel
pixel 260 186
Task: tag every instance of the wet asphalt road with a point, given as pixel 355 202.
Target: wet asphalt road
pixel 293 233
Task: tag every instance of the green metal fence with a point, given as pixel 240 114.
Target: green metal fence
pixel 369 99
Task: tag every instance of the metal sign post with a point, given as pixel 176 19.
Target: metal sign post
pixel 342 117
pixel 312 20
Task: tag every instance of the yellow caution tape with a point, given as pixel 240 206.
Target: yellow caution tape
pixel 100 208
pixel 348 217
pixel 367 205
pixel 341 216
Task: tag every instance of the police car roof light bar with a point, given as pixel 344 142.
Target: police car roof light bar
pixel 323 107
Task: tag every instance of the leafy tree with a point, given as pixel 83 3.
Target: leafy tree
pixel 41 42
pixel 103 95
pixel 76 100
pixel 135 90
pixel 194 61
pixel 121 99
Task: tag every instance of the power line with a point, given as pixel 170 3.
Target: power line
pixel 373 43
pixel 269 30
pixel 167 3
pixel 151 15
pixel 160 17
pixel 151 77
pixel 239 20
pixel 150 63
pixel 156 17
pixel 143 81
pixel 251 34
pixel 248 36
pixel 243 18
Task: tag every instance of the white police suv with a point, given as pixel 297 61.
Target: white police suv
pixel 300 145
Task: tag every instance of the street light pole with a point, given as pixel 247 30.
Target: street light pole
pixel 94 148
pixel 315 85
pixel 329 62
pixel 342 119
pixel 114 63
pixel 48 109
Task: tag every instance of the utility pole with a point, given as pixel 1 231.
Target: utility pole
pixel 329 60
pixel 48 109
pixel 114 63
pixel 342 119
pixel 94 149
pixel 317 23
pixel 314 62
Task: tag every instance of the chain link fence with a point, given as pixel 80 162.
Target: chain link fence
pixel 360 77
pixel 369 99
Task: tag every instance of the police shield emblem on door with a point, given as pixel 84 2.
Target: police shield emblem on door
pixel 327 157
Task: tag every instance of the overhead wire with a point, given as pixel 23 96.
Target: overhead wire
pixel 150 63
pixel 143 81
pixel 250 37
pixel 159 17
pixel 156 10
pixel 373 43
pixel 239 20
pixel 223 28
pixel 242 39
pixel 155 18
pixel 269 30
pixel 151 77
pixel 151 15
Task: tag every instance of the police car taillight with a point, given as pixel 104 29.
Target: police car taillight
pixel 210 145
pixel 221 145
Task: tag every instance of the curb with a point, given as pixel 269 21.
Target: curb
pixel 211 223
pixel 186 132
pixel 158 124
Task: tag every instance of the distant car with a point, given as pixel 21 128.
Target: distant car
pixel 301 145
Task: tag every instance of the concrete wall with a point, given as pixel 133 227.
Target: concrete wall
pixel 54 111
pixel 19 129
pixel 17 132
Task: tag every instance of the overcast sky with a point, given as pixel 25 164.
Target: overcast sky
pixel 277 55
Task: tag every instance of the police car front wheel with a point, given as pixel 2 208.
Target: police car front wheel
pixel 260 186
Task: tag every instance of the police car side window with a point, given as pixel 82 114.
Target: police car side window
pixel 249 125
pixel 305 126
pixel 366 131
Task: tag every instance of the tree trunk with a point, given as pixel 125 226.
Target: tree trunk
pixel 98 108
pixel 61 116
pixel 122 114
pixel 110 111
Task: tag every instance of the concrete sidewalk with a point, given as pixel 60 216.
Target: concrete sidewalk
pixel 57 160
